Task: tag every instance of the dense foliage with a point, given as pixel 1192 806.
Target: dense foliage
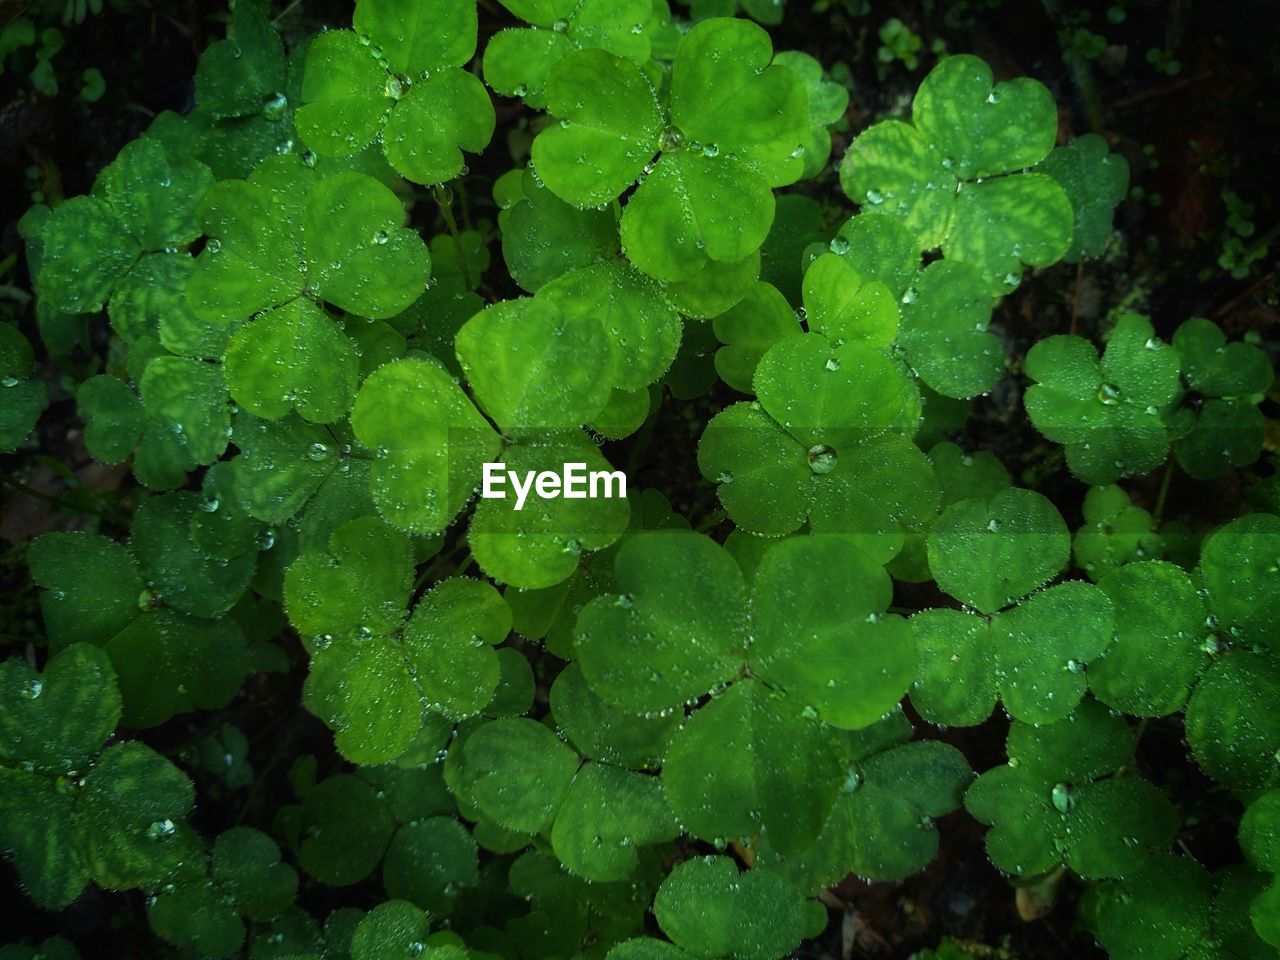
pixel 619 735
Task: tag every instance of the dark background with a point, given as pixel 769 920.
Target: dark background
pixel 1191 138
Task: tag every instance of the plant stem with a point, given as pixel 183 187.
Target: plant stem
pixel 444 199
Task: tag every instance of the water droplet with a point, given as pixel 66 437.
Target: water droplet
pixel 852 781
pixel 671 138
pixel 822 458
pixel 839 245
pixel 394 88
pixel 210 505
pixel 1109 394
pixel 9 382
pixel 318 451
pixel 560 26
pixel 161 829
pixel 710 150
pixel 274 106
pixel 33 688
pixel 1063 801
pixel 214 245
pixel 875 197
pixel 266 539
pixel 833 364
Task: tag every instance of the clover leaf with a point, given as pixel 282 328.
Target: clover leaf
pixel 822 444
pixel 988 553
pixel 952 175
pixel 1107 412
pixel 1231 727
pixel 1173 909
pixel 144 202
pixel 1094 180
pixel 517 60
pixel 1032 655
pixel 429 862
pixel 25 398
pixel 397 78
pixel 1237 563
pixel 1057 801
pixel 1159 645
pixel 827 103
pixel 430 441
pixel 881 826
pixel 243 74
pixel 1260 841
pixel 342 830
pixel 348 247
pixel 349 601
pixel 748 330
pixel 74 813
pixel 542 544
pixel 1115 532
pixel 543 237
pixel 1227 430
pixel 710 910
pixel 709 142
pixel 245 878
pixel 169 651
pixel 680 626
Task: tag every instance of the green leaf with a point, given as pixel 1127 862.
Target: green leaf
pixel 246 863
pixel 418 37
pixel 693 208
pixel 449 642
pixel 86 252
pixel 358 586
pixel 361 256
pixel 608 130
pixel 154 197
pixel 194 916
pixel 522 773
pixel 181 575
pixel 669 635
pixel 1095 181
pixel 606 815
pixel 1160 913
pixel 1237 563
pixel 91 587
pixel 601 731
pixel 726 93
pixel 292 357
pixel 1002 224
pixel 428 861
pixel 1048 805
pixel 988 128
pixel 1116 532
pixel 38 835
pixel 235 75
pixel 131 800
pixel 829 643
pixel 345 829
pixel 989 553
pixel 24 399
pixel 1106 412
pixel 748 761
pixel 642 328
pixel 394 928
pixel 1260 832
pixel 1216 368
pixel 532 367
pixel 55 721
pixel 944 330
pixel 434 442
pixel 748 330
pixel 441 116
pixel 892 168
pixel 705 906
pixel 881 826
pixel 843 306
pixel 1159 644
pixel 344 94
pixel 1230 725
pixel 543 237
pixel 542 543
